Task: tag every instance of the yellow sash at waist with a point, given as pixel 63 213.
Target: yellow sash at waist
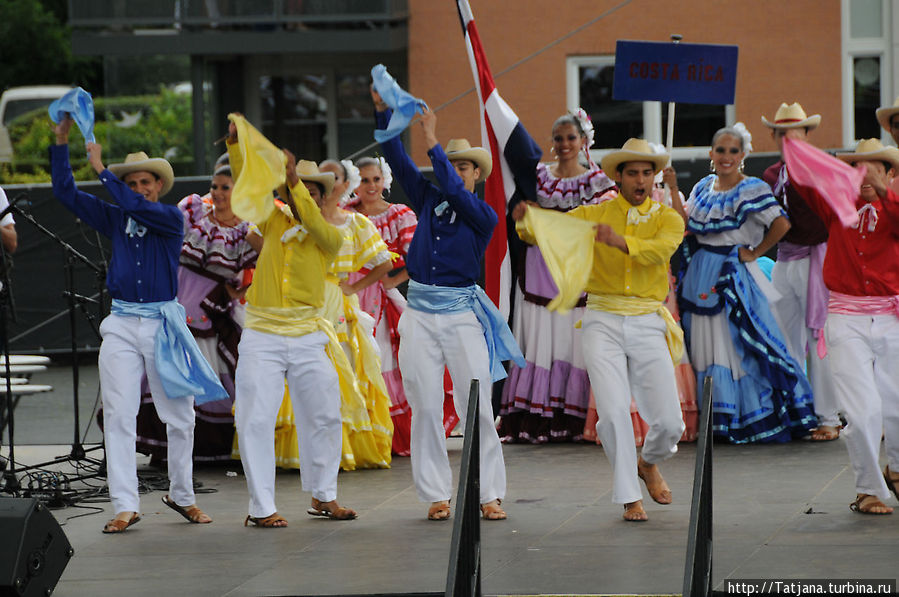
pixel 300 321
pixel 635 305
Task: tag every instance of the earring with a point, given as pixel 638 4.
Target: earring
pixel 712 166
pixel 742 165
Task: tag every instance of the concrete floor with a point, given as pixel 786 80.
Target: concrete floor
pixel 780 512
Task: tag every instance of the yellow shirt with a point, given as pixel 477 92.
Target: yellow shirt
pixel 652 233
pixel 292 273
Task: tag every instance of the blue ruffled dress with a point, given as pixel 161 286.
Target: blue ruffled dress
pixel 761 393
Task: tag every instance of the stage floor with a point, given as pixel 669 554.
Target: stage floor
pixel 780 512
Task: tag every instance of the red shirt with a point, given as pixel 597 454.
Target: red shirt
pixel 860 262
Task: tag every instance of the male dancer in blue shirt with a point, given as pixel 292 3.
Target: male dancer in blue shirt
pixel 449 321
pixel 142 280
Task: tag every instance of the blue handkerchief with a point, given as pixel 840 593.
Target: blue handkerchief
pixel 79 104
pixel 404 106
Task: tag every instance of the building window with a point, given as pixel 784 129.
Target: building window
pixel 615 120
pixel 867 67
pixel 590 87
pixel 295 113
pixel 866 96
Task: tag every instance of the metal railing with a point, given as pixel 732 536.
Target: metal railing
pixel 698 567
pixel 175 14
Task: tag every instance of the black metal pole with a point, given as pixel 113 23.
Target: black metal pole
pixel 77 452
pixel 11 482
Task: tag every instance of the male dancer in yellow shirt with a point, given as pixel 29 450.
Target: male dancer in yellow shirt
pixel 285 335
pixel 629 337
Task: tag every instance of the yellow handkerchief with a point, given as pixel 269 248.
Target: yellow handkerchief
pixel 567 247
pixel 263 170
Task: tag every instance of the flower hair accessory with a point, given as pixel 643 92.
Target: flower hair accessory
pixel 386 173
pixel 583 119
pixel 352 177
pixel 746 135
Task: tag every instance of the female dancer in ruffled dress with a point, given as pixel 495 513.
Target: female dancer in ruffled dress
pixel 547 400
pixel 761 393
pixel 383 301
pixel 218 246
pixel 365 404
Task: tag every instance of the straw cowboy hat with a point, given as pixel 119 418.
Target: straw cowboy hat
pixel 308 172
pixel 140 162
pixel 792 117
pixel 872 150
pixel 633 150
pixel 885 114
pixel 461 149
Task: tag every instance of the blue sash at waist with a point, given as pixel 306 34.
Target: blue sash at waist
pixel 501 345
pixel 182 368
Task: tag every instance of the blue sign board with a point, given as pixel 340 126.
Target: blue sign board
pixel 669 72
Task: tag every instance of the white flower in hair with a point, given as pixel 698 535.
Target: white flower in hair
pixel 352 177
pixel 747 137
pixel 386 173
pixel 586 125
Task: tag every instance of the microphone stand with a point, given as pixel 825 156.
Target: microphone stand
pixel 10 480
pixel 74 301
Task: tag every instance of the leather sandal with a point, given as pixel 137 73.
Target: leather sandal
pixel 865 503
pixel 117 525
pixel 634 512
pixel 825 433
pixel 339 513
pixel 492 510
pixel 190 513
pixel 272 521
pixel 892 483
pixel 439 511
pixel 658 490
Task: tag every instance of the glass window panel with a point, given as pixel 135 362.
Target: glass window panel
pixel 866 94
pixel 354 112
pixel 865 18
pixel 694 124
pixel 615 121
pixel 295 114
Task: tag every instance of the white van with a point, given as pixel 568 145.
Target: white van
pixel 16 101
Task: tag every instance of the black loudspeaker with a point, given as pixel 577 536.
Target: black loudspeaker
pixel 33 549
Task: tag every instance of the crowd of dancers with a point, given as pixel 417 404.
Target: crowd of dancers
pixel 270 325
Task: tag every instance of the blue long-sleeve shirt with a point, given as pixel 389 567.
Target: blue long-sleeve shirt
pixel 146 237
pixel 446 249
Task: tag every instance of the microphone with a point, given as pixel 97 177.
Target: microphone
pixel 20 198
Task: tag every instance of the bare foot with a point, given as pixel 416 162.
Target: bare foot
pixel 634 512
pixel 655 484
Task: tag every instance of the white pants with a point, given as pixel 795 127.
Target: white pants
pixel 127 351
pixel 627 356
pixel 265 360
pixel 790 278
pixel 864 353
pixel 428 343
